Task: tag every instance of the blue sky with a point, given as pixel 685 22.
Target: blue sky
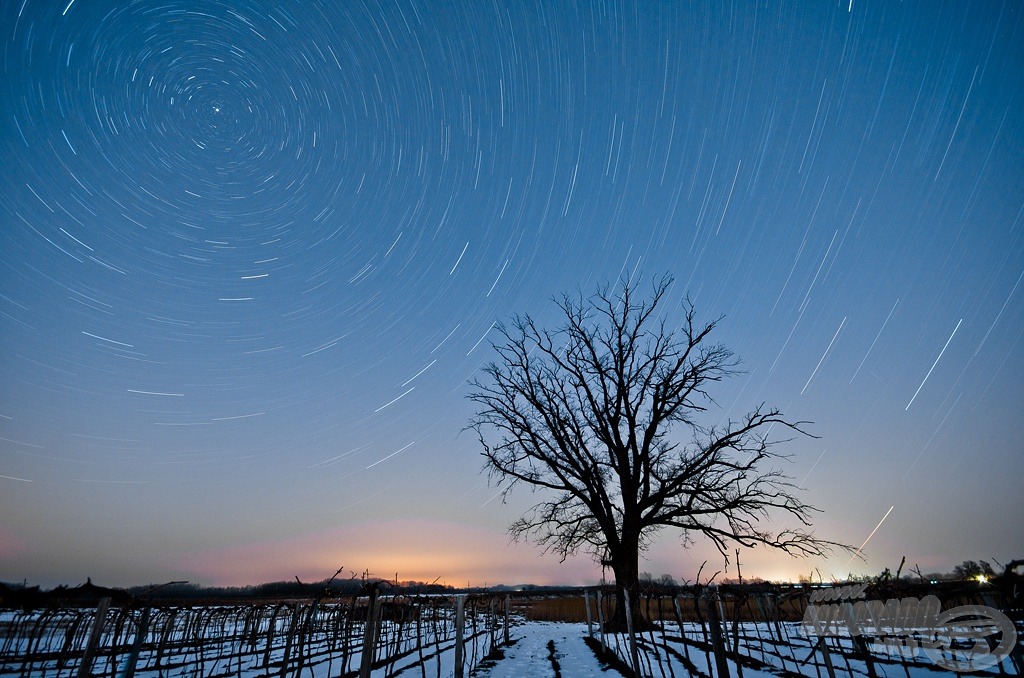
pixel 251 254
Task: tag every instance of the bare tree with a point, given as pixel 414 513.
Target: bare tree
pixel 591 412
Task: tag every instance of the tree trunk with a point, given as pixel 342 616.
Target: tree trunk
pixel 626 566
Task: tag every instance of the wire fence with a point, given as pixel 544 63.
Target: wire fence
pixel 823 632
pixel 408 635
pixel 704 631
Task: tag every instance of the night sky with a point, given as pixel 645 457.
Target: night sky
pixel 251 252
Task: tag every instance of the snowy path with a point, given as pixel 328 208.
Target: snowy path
pixel 531 654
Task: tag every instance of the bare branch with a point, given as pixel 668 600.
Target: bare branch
pixel 590 413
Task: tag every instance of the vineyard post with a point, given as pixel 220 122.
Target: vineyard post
pixel 85 668
pixel 308 630
pixel 679 620
pixel 859 643
pixel 822 645
pixel 715 627
pixel 508 603
pixel 270 637
pixel 140 636
pixel 492 624
pixel 370 634
pixel 290 638
pixel 1017 655
pixel 828 658
pixel 460 623
pixel 65 651
pixel 419 635
pixel 590 621
pixel 634 656
pixel 724 622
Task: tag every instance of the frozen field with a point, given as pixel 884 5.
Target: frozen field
pixel 552 649
pixel 260 642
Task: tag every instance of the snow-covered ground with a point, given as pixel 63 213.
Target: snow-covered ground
pixel 538 648
pixel 559 649
pixel 535 649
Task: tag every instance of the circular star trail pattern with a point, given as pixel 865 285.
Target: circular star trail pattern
pixel 251 253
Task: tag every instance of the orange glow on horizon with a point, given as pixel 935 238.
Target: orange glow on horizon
pixel 414 550
pixel 458 555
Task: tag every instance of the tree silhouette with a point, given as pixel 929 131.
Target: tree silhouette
pixel 972 570
pixel 591 411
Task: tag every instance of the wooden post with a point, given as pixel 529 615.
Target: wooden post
pixel 717 643
pixel 133 655
pixel 679 620
pixel 590 622
pixel 865 653
pixel 85 668
pixel 725 624
pixel 460 633
pixel 370 635
pixel 634 656
pixel 600 619
pixel 307 630
pixel 492 624
pixel 290 638
pixel 828 657
pixel 822 645
pixel 1017 656
pixel 858 640
pixel 271 625
pixel 508 604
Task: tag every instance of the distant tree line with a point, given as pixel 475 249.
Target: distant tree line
pixel 185 593
pixel 282 589
pixel 965 571
pixel 20 594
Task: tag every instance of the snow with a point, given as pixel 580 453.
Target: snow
pixel 530 653
pixel 535 649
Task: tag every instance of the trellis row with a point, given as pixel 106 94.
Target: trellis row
pixel 349 639
pixel 735 626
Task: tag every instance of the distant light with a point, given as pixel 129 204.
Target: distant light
pixel 982 579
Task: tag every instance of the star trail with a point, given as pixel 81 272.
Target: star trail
pixel 252 252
